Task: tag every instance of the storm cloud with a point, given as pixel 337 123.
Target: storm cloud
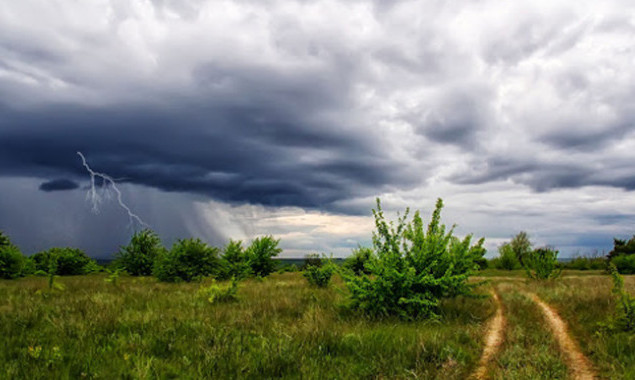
pixel 319 107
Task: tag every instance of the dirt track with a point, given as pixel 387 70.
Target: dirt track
pixel 579 365
pixel 493 340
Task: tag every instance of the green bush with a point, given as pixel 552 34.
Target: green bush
pixel 357 262
pixel 585 263
pixel 12 262
pixel 63 262
pixel 137 258
pixel 625 313
pixel 320 275
pixel 189 259
pixel 521 247
pixel 219 292
pixel 234 262
pixel 412 268
pixel 622 247
pixel 507 258
pixel 311 260
pixel 542 264
pixel 625 264
pixel 261 253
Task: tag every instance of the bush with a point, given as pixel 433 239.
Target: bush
pixel 312 260
pixel 234 262
pixel 320 275
pixel 625 264
pixel 585 263
pixel 357 262
pixel 137 258
pixel 12 262
pixel 622 247
pixel 542 264
pixel 261 253
pixel 625 313
pixel 412 268
pixel 507 258
pixel 64 262
pixel 189 259
pixel 220 292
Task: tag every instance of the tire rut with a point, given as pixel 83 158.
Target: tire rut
pixel 493 340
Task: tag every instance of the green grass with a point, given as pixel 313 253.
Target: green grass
pixel 279 327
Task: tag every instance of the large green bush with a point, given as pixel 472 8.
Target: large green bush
pixel 625 264
pixel 137 258
pixel 542 264
pixel 507 258
pixel 12 262
pixel 234 262
pixel 320 275
pixel 412 267
pixel 63 262
pixel 261 253
pixel 189 259
pixel 622 247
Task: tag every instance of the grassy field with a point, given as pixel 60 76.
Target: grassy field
pixel 282 327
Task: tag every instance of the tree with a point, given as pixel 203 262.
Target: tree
pixel 508 259
pixel 412 268
pixel 137 258
pixel 235 261
pixel 261 253
pixel 320 274
pixel 542 264
pixel 358 261
pixel 521 246
pixel 189 259
pixel 63 262
pixel 12 262
pixel 623 255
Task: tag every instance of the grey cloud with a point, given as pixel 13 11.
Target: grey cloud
pixel 58 185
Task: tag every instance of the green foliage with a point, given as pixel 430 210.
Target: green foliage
pixel 261 253
pixel 412 268
pixel 625 314
pixel 220 292
pixel 137 258
pixel 4 240
pixel 113 276
pixel 542 264
pixel 320 275
pixel 507 258
pixel 585 263
pixel 625 264
pixel 234 262
pixel 521 246
pixel 312 260
pixel 622 247
pixel 12 262
pixel 189 259
pixel 357 262
pixel 65 261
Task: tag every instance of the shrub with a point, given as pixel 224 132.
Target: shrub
pixel 507 258
pixel 625 313
pixel 64 262
pixel 234 262
pixel 412 268
pixel 312 260
pixel 542 264
pixel 320 275
pixel 357 262
pixel 189 259
pixel 625 264
pixel 12 262
pixel 261 253
pixel 219 292
pixel 137 258
pixel 585 263
pixel 622 247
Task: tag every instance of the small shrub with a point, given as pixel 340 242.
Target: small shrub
pixel 625 314
pixel 585 263
pixel 220 292
pixel 234 262
pixel 261 253
pixel 412 267
pixel 507 259
pixel 12 262
pixel 189 259
pixel 312 260
pixel 542 264
pixel 137 258
pixel 357 262
pixel 320 276
pixel 625 264
pixel 64 262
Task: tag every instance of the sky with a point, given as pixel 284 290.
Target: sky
pixel 236 119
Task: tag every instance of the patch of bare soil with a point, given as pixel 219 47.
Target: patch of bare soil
pixel 579 366
pixel 493 340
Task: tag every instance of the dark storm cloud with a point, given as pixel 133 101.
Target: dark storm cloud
pixel 58 185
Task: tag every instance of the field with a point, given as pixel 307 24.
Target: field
pixel 282 327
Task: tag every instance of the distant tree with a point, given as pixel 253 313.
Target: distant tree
pixel 189 259
pixel 4 239
pixel 521 246
pixel 261 253
pixel 507 258
pixel 12 262
pixel 542 264
pixel 137 258
pixel 235 261
pixel 63 262
pixel 312 260
pixel 622 247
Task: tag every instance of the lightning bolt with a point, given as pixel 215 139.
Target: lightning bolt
pixel 95 198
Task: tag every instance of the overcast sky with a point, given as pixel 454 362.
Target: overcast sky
pixel 233 119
